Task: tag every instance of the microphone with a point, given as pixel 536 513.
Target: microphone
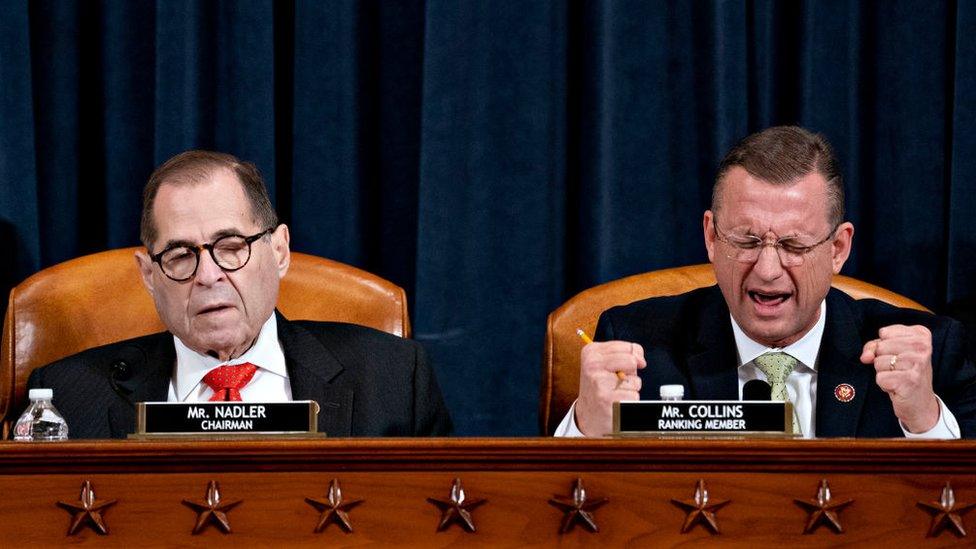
pixel 129 358
pixel 756 389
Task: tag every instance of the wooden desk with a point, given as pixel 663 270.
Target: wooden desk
pixel 518 477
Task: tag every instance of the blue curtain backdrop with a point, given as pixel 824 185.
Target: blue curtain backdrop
pixel 492 157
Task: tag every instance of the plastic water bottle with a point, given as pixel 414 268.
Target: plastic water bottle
pixel 672 392
pixel 41 421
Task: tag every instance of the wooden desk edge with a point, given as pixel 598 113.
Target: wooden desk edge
pixel 841 455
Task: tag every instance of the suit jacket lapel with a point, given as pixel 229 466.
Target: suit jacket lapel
pixel 148 382
pixel 312 367
pixel 839 362
pixel 713 359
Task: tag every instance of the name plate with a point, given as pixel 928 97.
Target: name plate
pixel 226 418
pixel 704 417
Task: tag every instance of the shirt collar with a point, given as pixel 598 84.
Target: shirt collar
pixel 804 349
pixel 191 366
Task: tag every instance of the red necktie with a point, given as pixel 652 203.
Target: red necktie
pixel 227 381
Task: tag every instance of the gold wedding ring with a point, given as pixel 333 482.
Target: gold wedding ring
pixel 892 362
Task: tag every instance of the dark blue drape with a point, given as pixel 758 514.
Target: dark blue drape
pixel 491 157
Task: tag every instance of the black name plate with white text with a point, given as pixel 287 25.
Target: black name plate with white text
pixel 706 417
pixel 223 418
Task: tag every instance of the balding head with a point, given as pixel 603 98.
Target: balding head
pixel 196 167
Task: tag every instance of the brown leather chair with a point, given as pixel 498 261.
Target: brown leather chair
pixel 99 299
pixel 560 368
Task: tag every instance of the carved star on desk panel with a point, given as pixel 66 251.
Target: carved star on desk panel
pixel 823 509
pixel 87 509
pixel 333 509
pixel 212 509
pixel 700 510
pixel 577 509
pixel 945 512
pixel 457 509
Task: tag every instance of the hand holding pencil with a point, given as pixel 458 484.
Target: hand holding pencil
pixel 587 340
pixel 608 374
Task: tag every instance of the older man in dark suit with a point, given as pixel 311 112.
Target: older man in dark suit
pixel 213 260
pixel 776 235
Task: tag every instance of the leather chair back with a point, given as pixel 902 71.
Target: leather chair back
pixel 99 299
pixel 560 367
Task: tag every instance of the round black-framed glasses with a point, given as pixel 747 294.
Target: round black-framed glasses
pixel 230 253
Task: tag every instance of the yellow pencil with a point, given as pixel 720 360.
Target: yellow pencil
pixel 587 340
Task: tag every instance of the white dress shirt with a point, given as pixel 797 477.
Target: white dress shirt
pixel 269 384
pixel 801 383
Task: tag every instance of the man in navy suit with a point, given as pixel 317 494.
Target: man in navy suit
pixel 214 257
pixel 776 235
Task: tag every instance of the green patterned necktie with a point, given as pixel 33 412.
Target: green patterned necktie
pixel 778 367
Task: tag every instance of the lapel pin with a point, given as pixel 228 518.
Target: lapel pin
pixel 844 392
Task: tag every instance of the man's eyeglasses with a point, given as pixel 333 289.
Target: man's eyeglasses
pixel 746 248
pixel 230 253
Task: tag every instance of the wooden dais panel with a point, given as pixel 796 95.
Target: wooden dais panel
pixel 489 493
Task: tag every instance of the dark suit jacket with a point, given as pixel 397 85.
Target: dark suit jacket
pixel 688 340
pixel 964 310
pixel 367 382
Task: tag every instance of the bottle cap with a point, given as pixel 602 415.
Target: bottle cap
pixel 672 391
pixel 40 394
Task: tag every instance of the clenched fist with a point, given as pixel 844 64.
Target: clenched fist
pixel 608 374
pixel 902 359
